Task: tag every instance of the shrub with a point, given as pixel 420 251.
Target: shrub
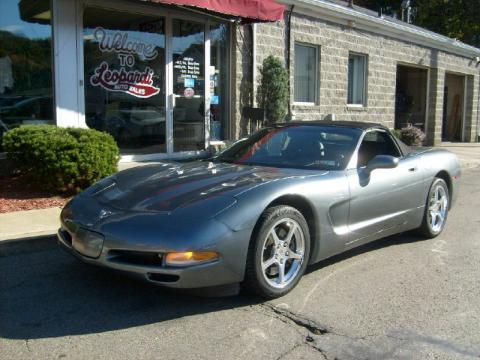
pixel 273 90
pixel 412 135
pixel 64 160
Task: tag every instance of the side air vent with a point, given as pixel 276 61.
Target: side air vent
pixel 164 278
pixel 141 258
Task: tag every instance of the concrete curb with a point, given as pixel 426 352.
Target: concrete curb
pixel 29 224
pixel 468 153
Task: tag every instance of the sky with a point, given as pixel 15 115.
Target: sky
pixel 10 21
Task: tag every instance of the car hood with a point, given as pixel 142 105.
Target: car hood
pixel 167 186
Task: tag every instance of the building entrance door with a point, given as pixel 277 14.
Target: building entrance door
pixel 411 97
pixel 453 107
pixel 189 109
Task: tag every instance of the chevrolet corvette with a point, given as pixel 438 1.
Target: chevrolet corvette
pixel 261 211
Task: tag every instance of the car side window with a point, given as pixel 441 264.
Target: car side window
pixel 375 143
pixel 277 144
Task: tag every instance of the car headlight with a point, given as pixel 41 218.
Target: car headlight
pixel 88 243
pixel 190 258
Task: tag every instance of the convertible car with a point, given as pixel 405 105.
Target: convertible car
pixel 262 210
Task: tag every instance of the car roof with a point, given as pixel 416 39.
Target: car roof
pixel 349 124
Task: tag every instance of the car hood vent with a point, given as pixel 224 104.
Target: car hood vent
pixel 161 188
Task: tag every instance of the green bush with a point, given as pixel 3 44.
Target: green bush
pixel 64 160
pixel 273 90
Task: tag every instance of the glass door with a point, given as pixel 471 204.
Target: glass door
pixel 218 87
pixel 188 98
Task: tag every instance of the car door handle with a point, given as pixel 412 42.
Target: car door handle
pixel 413 169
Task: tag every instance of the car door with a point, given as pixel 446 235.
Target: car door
pixel 386 198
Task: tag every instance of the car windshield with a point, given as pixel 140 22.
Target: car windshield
pixel 296 146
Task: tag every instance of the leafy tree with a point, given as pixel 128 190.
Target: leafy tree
pixel 389 7
pixel 273 89
pixel 458 19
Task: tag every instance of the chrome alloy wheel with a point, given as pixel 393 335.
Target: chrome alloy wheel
pixel 437 208
pixel 283 253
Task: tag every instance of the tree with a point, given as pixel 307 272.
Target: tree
pixel 388 7
pixel 272 93
pixel 459 19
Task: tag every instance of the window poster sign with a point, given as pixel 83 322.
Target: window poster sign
pixel 187 67
pixel 127 78
pixel 188 75
pixel 189 83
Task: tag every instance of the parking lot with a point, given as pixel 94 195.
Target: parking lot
pixel 398 298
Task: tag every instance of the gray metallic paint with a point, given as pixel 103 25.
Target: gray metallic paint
pixel 215 206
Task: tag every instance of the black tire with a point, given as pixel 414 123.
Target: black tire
pixel 427 230
pixel 256 280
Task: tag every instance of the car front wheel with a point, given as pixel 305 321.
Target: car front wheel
pixel 436 209
pixel 278 253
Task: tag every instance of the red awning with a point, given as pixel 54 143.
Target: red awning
pixel 248 10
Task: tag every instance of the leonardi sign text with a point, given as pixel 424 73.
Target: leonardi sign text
pixel 127 79
pixel 132 82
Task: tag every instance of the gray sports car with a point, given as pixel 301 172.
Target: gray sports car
pixel 259 212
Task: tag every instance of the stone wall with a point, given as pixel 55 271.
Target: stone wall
pixel 384 53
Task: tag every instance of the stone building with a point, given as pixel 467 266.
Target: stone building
pixel 170 78
pixel 350 63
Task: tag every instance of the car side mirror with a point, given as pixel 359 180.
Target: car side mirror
pixel 381 162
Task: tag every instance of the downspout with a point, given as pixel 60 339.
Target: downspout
pixel 478 112
pixel 288 61
pixel 254 64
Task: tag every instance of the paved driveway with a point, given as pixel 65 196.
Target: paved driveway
pixel 399 298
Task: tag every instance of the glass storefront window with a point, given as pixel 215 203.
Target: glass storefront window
pixel 125 78
pixel 126 88
pixel 219 66
pixel 26 94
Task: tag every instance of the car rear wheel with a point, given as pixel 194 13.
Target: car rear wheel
pixel 278 253
pixel 436 209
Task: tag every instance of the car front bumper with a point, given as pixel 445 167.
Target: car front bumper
pixel 146 263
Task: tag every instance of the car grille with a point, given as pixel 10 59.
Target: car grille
pixel 164 278
pixel 142 258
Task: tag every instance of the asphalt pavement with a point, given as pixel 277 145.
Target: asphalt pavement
pixel 398 298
